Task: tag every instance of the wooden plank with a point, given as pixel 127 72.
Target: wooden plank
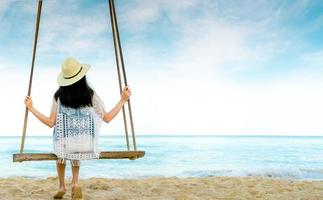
pixel 132 155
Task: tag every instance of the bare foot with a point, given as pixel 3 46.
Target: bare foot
pixel 59 194
pixel 77 193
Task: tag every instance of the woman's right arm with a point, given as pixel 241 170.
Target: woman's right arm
pixel 108 116
pixel 48 121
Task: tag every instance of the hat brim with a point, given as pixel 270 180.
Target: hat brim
pixel 66 82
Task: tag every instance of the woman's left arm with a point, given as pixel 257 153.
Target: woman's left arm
pixel 48 121
pixel 108 116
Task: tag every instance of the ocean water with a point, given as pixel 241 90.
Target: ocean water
pixel 183 156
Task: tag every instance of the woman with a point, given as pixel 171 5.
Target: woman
pixel 76 115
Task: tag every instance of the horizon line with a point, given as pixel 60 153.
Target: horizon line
pixel 178 135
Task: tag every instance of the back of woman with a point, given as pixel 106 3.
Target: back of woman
pixel 78 122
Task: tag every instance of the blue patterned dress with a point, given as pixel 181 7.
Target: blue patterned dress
pixel 76 131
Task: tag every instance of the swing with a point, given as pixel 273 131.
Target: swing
pixel 129 154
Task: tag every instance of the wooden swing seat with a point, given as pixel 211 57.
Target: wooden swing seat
pixel 131 155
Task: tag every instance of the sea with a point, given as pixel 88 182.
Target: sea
pixel 287 157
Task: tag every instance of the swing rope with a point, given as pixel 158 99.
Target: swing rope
pixel 118 53
pixel 111 3
pixel 118 69
pixel 22 145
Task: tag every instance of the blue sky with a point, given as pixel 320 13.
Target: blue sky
pixel 195 67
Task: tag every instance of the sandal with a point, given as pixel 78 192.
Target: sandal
pixel 59 195
pixel 77 193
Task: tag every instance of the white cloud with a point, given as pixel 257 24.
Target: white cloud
pixel 4 5
pixel 137 15
pixel 69 29
pixel 314 57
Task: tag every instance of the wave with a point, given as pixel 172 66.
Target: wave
pixel 269 172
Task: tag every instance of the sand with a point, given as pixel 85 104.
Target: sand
pixel 167 188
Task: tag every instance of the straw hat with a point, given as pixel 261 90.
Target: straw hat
pixel 72 71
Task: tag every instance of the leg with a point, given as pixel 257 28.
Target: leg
pixel 60 166
pixel 76 191
pixel 75 173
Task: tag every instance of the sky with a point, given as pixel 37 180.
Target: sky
pixel 194 67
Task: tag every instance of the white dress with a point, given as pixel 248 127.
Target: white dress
pixel 76 131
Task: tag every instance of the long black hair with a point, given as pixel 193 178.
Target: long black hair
pixel 77 95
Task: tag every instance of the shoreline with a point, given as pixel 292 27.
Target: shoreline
pixel 166 188
pixel 68 176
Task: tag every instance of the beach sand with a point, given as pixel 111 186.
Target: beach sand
pixel 167 188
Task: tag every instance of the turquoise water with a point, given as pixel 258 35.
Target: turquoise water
pixel 184 156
